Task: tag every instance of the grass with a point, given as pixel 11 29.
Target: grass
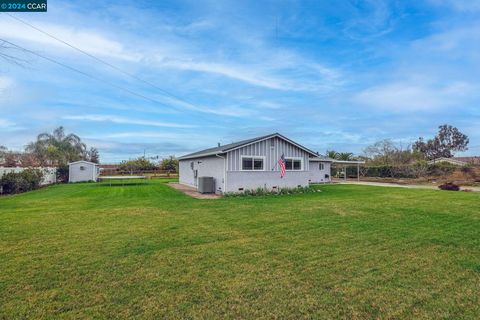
pixel 148 251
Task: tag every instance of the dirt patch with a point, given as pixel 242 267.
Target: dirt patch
pixel 192 192
pixel 410 186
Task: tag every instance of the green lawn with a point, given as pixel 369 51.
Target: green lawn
pixel 147 251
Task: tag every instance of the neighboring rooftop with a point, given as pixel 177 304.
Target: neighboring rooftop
pixel 475 160
pixel 460 161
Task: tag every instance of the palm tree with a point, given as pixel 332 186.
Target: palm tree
pixel 345 156
pixel 57 148
pixel 332 154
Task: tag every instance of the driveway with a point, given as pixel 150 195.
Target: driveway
pixel 409 186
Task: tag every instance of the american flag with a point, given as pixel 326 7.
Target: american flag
pixel 281 163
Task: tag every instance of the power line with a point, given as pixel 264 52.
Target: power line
pixel 101 60
pixel 84 73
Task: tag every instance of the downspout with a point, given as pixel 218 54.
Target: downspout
pixel 224 172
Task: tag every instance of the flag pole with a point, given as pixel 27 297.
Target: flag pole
pixel 274 167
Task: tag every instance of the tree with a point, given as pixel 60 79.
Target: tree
pixel 29 160
pixel 93 155
pixel 387 153
pixel 169 164
pixel 381 151
pixel 58 148
pixel 344 156
pixel 447 141
pixel 10 159
pixel 139 164
pixel 332 154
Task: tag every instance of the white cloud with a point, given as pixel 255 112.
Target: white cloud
pixel 6 124
pixel 460 41
pixel 5 83
pixel 259 65
pixel 459 5
pixel 123 120
pixel 9 95
pixel 90 41
pixel 410 96
pixel 298 75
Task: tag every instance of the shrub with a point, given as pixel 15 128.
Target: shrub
pixel 441 169
pixel 62 173
pixel 138 164
pixel 416 170
pixel 32 178
pixel 16 182
pixel 467 169
pixel 267 192
pixel 450 186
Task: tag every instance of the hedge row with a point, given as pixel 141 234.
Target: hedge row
pixel 17 182
pixel 405 171
pixel 266 192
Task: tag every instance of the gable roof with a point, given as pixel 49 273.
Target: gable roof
pixel 449 160
pixel 84 161
pixel 470 160
pixel 239 144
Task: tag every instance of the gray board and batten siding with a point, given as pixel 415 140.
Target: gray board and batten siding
pixel 271 149
pixel 224 163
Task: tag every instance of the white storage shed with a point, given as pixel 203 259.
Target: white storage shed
pixel 79 171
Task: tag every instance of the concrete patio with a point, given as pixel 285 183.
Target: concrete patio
pixel 192 192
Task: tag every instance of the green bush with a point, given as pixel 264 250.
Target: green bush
pixel 62 173
pixel 415 170
pixel 27 180
pixel 138 164
pixel 441 169
pixel 268 192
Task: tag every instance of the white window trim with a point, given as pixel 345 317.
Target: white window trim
pixel 322 164
pixel 254 157
pixel 302 166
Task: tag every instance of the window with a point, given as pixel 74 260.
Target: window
pixel 293 164
pixel 321 166
pixel 252 163
pixel 82 168
pixel 257 164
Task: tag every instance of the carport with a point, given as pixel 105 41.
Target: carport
pixel 344 164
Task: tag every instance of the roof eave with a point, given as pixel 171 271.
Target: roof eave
pixel 209 154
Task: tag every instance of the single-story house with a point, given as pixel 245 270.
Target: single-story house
pixel 82 170
pixel 473 160
pixel 253 163
pixel 453 161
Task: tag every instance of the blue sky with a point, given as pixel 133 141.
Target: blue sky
pixel 328 74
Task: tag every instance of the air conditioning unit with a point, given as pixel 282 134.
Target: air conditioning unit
pixel 206 185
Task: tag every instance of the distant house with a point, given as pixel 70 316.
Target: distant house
pixel 458 161
pixel 253 163
pixel 475 160
pixel 448 160
pixel 80 171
